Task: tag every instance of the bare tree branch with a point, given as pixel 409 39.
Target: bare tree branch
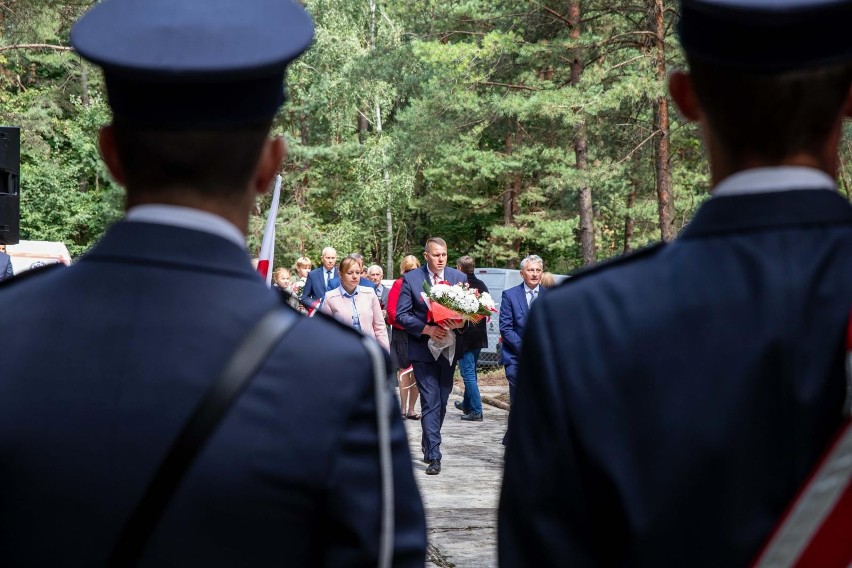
pixel 36 46
pixel 508 85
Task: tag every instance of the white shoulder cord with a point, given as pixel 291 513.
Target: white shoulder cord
pixel 385 465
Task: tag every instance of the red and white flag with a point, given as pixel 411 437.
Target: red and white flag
pixel 267 246
pixel 816 530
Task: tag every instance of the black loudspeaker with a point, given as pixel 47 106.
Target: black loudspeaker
pixel 10 170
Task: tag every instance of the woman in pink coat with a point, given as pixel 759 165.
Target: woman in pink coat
pixel 356 305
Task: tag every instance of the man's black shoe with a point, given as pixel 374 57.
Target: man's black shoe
pixel 434 467
pixel 473 417
pixel 460 406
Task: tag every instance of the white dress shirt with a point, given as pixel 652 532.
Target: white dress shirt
pixel 766 180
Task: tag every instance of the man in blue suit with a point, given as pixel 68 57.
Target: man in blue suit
pixel 515 304
pixel 110 356
pixel 5 263
pixel 317 282
pixel 671 404
pixel 434 376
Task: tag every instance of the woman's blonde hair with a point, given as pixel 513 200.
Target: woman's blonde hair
pixel 409 262
pixel 303 262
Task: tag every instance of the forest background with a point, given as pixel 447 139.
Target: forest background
pixel 508 127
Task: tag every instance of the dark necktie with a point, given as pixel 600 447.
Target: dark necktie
pixel 532 296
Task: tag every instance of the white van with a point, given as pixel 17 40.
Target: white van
pixel 31 254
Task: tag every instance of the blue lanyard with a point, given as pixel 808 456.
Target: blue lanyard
pixel 356 322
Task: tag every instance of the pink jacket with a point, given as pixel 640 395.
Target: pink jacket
pixel 369 312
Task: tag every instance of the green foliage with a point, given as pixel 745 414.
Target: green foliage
pixel 474 97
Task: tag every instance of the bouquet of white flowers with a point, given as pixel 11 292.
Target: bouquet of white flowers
pixel 454 303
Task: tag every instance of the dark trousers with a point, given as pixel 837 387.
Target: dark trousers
pixel 435 381
pixel 511 374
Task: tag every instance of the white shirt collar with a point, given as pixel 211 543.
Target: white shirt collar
pixel 527 289
pixel 187 218
pixel 431 274
pixel 765 180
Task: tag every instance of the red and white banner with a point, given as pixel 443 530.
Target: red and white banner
pixel 816 530
pixel 267 246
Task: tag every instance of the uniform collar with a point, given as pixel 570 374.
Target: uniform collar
pixel 177 247
pixel 782 178
pixel 186 218
pixel 761 211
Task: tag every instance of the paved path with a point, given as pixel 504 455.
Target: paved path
pixel 461 502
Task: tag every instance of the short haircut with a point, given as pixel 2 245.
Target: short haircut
pixel 303 262
pixel 215 163
pixel 770 116
pixel 330 249
pixel 347 263
pixel 532 258
pixel 466 264
pixel 372 266
pixel 434 240
pixel 409 262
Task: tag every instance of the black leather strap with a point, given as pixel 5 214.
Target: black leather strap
pixel 235 376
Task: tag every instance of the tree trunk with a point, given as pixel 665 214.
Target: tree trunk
pixel 385 175
pixel 363 126
pixel 629 221
pixel 661 126
pixel 84 86
pixel 587 218
pixel 301 186
pixel 508 192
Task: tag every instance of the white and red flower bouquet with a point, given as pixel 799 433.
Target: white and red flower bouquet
pixel 296 288
pixel 454 303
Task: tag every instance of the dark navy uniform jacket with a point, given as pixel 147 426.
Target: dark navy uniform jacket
pixel 670 405
pixel 102 363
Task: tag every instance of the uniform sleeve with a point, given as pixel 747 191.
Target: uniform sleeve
pixel 354 489
pixel 549 504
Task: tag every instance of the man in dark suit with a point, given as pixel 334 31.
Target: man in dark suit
pixel 5 263
pixel 375 275
pixel 110 356
pixel 473 340
pixel 515 304
pixel 434 376
pixel 318 280
pixel 671 404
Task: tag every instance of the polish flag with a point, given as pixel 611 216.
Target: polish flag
pixel 267 246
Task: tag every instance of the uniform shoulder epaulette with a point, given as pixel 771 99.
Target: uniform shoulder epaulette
pixel 643 252
pixel 31 273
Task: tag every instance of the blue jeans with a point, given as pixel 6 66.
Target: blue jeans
pixel 467 367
